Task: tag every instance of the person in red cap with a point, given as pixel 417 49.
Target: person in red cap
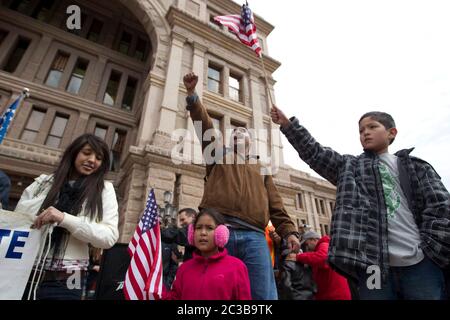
pixel 330 285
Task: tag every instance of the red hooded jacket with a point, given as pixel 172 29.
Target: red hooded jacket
pixel 330 285
pixel 219 277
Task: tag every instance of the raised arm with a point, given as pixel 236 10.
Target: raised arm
pixel 197 110
pixel 325 161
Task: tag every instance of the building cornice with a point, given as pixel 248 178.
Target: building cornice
pixel 182 21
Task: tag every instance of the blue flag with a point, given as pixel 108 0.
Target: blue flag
pixel 7 117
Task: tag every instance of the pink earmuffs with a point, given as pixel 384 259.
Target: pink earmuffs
pixel 221 235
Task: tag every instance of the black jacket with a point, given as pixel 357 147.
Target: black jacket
pixel 296 282
pixel 359 223
pixel 178 236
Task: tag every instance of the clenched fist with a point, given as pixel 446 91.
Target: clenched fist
pixel 190 81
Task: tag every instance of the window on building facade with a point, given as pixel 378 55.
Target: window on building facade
pixel 322 206
pixel 117 149
pixel 141 49
pixel 78 73
pixel 318 208
pixel 125 42
pixel 57 131
pixel 300 201
pixel 234 87
pixel 112 88
pixel 214 79
pixel 17 54
pixel 95 30
pixel 57 69
pixel 130 92
pixel 43 10
pixel 304 221
pixel 100 131
pixel 332 205
pixel 33 125
pixel 22 6
pixel 327 231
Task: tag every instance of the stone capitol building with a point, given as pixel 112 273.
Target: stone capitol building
pixel 120 77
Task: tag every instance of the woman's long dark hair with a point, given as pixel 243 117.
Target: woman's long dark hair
pixel 92 185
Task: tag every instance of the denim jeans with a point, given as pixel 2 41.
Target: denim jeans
pixel 422 281
pixel 251 247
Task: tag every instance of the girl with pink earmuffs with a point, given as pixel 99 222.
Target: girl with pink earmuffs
pixel 212 274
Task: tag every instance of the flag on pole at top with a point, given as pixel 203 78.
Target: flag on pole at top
pixel 243 26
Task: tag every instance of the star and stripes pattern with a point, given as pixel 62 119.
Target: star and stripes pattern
pixel 143 279
pixel 243 26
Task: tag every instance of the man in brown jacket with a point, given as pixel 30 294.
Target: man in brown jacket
pixel 236 187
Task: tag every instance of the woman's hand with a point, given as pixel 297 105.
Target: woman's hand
pixel 48 216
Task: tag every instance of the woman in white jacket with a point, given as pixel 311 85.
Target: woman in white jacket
pixel 82 205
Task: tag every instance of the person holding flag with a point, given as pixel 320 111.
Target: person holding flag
pixel 247 199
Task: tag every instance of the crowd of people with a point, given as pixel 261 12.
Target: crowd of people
pixel 392 211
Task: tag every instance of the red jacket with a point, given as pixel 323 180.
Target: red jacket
pixel 219 277
pixel 330 285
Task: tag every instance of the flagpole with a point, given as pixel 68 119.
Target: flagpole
pixel 267 81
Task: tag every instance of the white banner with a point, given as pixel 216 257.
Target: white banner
pixel 19 246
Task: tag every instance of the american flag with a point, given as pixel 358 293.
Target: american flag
pixel 143 280
pixel 243 26
pixel 8 115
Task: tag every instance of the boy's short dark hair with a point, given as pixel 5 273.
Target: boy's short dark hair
pixel 382 117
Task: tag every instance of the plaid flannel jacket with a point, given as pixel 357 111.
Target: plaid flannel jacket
pixel 359 222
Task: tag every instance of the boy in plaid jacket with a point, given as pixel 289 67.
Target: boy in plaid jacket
pixel 392 214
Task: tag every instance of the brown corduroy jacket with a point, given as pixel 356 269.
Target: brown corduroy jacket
pixel 238 189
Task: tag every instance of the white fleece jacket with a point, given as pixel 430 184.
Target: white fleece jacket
pixel 103 234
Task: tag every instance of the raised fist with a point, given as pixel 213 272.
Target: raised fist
pixel 190 81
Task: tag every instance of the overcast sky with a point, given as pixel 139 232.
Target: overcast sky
pixel 343 58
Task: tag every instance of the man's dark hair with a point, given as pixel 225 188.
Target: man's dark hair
pixel 189 212
pixel 382 117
